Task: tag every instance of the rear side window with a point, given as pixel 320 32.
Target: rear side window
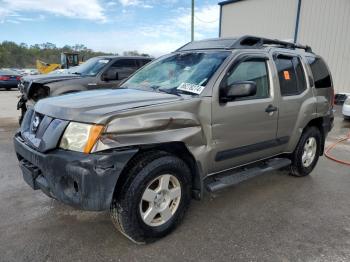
pixel 291 75
pixel 144 62
pixel 322 77
pixel 124 63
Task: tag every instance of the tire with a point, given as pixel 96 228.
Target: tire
pixel 303 166
pixel 8 88
pixel 346 118
pixel 129 209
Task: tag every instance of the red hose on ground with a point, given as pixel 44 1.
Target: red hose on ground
pixel 329 148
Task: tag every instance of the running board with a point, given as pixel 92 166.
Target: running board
pixel 230 178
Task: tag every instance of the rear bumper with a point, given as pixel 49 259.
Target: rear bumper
pixel 328 123
pixel 85 181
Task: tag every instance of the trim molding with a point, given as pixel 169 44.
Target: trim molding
pixel 239 151
pixel 229 2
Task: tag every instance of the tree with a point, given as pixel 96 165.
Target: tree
pixel 22 56
pixel 134 53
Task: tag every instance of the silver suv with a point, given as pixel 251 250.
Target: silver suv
pixel 203 118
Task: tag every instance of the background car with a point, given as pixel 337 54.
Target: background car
pixel 96 73
pixel 339 99
pixel 9 79
pixel 346 109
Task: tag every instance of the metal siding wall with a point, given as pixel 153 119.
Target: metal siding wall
pixel 325 26
pixel 268 18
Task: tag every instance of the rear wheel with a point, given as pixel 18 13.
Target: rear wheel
pixel 8 88
pixel 154 197
pixel 307 152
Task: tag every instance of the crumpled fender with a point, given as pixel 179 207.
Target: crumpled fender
pixel 187 121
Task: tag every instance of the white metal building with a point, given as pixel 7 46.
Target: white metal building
pixel 322 24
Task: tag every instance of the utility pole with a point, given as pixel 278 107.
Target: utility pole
pixel 192 22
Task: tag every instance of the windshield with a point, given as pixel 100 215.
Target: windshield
pixel 91 67
pixel 178 73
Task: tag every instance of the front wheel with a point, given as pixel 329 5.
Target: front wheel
pixel 307 152
pixel 154 197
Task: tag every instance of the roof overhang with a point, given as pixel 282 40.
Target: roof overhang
pixel 229 2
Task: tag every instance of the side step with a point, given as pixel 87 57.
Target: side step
pixel 230 178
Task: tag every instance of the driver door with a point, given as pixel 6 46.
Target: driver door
pixel 244 129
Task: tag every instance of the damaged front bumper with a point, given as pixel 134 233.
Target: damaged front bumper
pixel 85 181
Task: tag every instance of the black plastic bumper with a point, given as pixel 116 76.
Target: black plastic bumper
pixel 85 181
pixel 328 123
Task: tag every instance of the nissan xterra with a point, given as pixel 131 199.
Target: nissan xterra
pixel 207 116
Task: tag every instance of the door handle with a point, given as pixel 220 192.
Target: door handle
pixel 270 109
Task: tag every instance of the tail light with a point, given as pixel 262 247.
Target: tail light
pixel 18 78
pixel 4 78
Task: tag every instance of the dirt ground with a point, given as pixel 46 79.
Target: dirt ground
pixel 274 217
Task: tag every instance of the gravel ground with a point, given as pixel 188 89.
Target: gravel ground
pixel 274 217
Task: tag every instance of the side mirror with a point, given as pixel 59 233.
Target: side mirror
pixel 237 89
pixel 110 75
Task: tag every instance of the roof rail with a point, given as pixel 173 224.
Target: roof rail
pixel 249 41
pixel 244 42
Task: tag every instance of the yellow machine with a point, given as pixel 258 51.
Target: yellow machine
pixel 67 60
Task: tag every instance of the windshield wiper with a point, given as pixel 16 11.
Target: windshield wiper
pixel 171 91
pixel 76 73
pixel 175 91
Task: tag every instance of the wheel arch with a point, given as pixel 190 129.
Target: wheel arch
pixel 323 125
pixel 178 149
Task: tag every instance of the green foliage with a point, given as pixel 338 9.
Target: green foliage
pixel 134 53
pixel 24 56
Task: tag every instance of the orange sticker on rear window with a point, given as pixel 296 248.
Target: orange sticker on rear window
pixel 286 75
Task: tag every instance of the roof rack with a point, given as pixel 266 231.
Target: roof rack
pixel 258 42
pixel 244 42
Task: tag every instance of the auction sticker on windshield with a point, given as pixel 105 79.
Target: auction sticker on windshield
pixel 192 88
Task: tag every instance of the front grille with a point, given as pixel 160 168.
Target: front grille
pixel 41 132
pixel 38 125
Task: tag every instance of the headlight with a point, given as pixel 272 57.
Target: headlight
pixel 80 137
pixel 347 101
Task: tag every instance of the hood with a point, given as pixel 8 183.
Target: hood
pixel 29 82
pixel 44 79
pixel 98 105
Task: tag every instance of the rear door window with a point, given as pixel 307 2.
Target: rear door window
pixel 291 75
pixel 125 63
pixel 322 77
pixel 143 62
pixel 300 74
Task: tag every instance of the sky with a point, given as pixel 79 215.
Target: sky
pixel 155 27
